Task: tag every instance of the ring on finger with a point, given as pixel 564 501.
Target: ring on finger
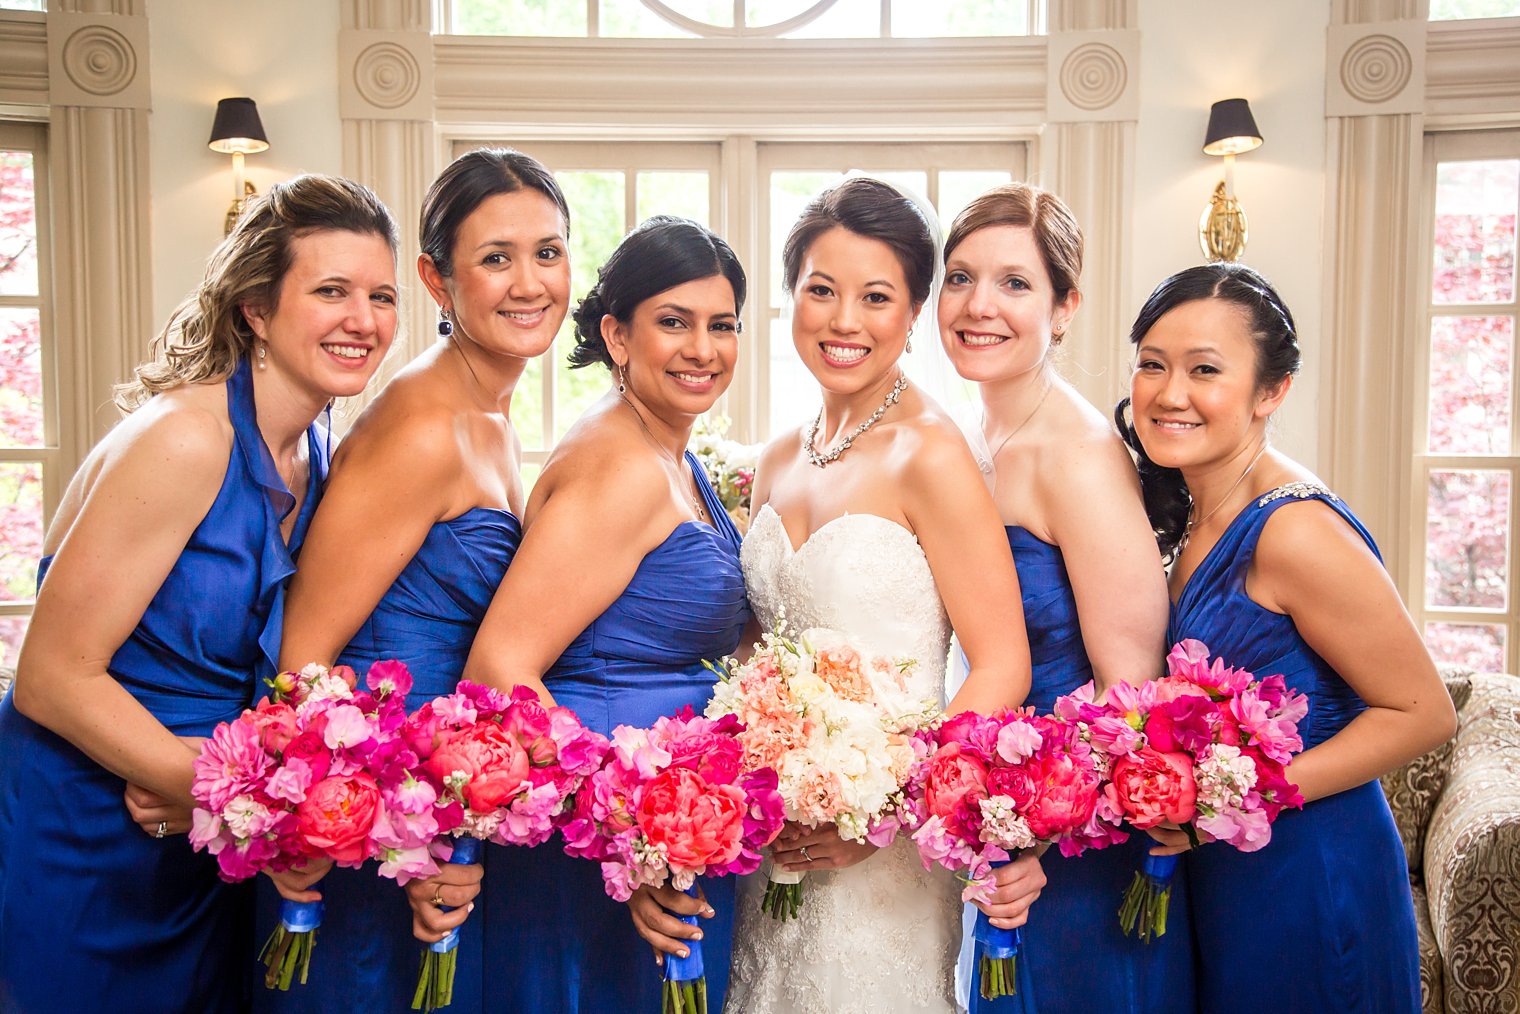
pixel 805 857
pixel 438 897
pixel 163 829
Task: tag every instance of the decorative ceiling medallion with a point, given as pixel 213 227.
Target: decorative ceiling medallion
pixel 99 60
pixel 387 75
pixel 1093 76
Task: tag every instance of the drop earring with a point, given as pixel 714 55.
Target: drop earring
pixel 445 325
pixel 622 387
pixel 909 346
pixel 263 355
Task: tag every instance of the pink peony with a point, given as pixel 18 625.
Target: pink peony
pixel 336 816
pixel 493 763
pixel 954 775
pixel 1067 797
pixel 1151 787
pixel 1183 723
pixel 698 824
pixel 277 725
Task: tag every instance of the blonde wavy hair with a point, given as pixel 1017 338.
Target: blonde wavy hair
pixel 207 335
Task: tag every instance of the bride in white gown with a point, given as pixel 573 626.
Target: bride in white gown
pixel 874 521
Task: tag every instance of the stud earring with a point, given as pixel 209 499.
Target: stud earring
pixel 445 325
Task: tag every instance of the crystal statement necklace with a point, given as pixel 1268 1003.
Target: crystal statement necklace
pixel 811 435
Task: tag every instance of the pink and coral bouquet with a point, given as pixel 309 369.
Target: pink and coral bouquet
pixel 298 778
pixel 487 766
pixel 671 803
pixel 994 786
pixel 837 725
pixel 1205 748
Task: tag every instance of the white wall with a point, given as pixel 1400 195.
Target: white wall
pixel 1195 52
pixel 280 53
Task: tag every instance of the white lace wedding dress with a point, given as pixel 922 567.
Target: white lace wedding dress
pixel 879 937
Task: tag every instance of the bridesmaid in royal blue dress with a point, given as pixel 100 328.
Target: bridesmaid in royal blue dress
pixel 627 578
pixel 417 528
pixel 1274 574
pixel 159 611
pixel 1090 577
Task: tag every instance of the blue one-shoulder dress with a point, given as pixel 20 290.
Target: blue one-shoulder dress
pixel 366 957
pixel 95 915
pixel 554 940
pixel 1327 902
pixel 1075 925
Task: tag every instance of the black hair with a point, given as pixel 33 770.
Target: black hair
pixel 467 182
pixel 663 252
pixel 875 210
pixel 1167 501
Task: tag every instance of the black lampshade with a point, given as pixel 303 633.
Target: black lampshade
pixel 1232 129
pixel 237 128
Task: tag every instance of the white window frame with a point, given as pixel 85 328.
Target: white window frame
pixel 1461 147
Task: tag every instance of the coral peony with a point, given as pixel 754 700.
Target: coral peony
pixel 954 774
pixel 336 817
pixel 1151 787
pixel 696 822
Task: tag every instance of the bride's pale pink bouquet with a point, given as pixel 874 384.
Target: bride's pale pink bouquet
pixel 671 803
pixel 1204 748
pixel 298 778
pixel 994 786
pixel 485 766
pixel 837 725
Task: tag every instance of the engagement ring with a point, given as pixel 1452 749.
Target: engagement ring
pixel 163 829
pixel 438 898
pixel 805 857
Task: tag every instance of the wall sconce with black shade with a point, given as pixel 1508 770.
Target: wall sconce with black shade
pixel 237 131
pixel 1232 131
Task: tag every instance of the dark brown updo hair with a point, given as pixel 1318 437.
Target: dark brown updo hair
pixel 466 183
pixel 663 252
pixel 876 210
pixel 1167 500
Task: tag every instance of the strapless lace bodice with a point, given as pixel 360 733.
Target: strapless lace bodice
pixel 879 937
pixel 860 574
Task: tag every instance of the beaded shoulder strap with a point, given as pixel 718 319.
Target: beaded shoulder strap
pixel 1300 490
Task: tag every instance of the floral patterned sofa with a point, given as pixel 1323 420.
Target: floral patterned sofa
pixel 1458 811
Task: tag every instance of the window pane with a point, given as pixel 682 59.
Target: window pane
pixel 528 397
pixel 957 188
pixel 915 19
pixel 1470 384
pixel 18 225
pixel 763 13
pixel 1479 646
pixel 1475 231
pixel 12 630
pixel 847 19
pixel 20 530
pixel 20 378
pixel 794 392
pixel 23 5
pixel 709 12
pixel 519 17
pixel 596 201
pixel 674 193
pixel 790 193
pixel 630 19
pixel 1457 10
pixel 1466 539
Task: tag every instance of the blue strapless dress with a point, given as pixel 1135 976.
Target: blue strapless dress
pixel 95 915
pixel 554 940
pixel 366 957
pixel 1327 902
pixel 1075 923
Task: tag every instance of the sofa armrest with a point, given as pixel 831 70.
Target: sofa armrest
pixel 1472 853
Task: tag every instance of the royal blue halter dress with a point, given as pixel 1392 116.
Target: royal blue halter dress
pixel 95 915
pixel 366 957
pixel 554 940
pixel 1078 959
pixel 1321 919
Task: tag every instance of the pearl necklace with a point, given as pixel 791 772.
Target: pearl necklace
pixel 811 434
